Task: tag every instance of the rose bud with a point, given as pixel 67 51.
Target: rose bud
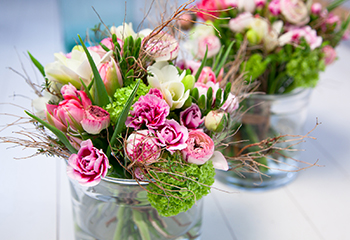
pixel 215 121
pixel 95 120
pixel 141 146
pixel 88 165
pixel 191 117
pixel 111 76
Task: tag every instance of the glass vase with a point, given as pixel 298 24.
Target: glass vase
pixel 268 116
pixel 118 209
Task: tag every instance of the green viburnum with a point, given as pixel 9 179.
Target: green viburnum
pixel 255 66
pixel 120 98
pixel 185 190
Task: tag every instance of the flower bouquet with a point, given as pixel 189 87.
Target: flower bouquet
pixel 281 46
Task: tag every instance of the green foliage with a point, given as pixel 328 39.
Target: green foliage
pixel 37 64
pixel 120 98
pixel 187 192
pixel 255 66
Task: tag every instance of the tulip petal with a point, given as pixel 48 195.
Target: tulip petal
pixel 219 161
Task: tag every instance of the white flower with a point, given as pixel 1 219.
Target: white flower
pixel 71 69
pixel 295 11
pixel 125 30
pixel 166 78
pixel 271 38
pixel 246 5
pixel 241 22
pixel 40 103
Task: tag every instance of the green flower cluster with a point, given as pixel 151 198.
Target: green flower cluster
pixel 120 98
pixel 185 190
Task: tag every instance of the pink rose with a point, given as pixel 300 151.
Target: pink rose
pixel 295 11
pixel 191 117
pixel 212 43
pixel 95 119
pixel 141 146
pixel 88 166
pixel 208 8
pixel 316 8
pixel 231 104
pixel 111 76
pixel 275 7
pixel 149 110
pixel 330 54
pixel 171 135
pixel 294 35
pixel 207 75
pixel 200 149
pixel 241 22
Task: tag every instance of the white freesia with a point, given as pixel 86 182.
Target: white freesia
pixel 70 70
pixel 260 27
pixel 271 38
pixel 166 78
pixel 246 5
pixel 125 30
pixel 241 22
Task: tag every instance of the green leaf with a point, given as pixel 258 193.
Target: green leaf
pixel 202 64
pixel 137 48
pixel 55 131
pixel 122 118
pixel 100 92
pixel 227 91
pixel 87 90
pixel 334 5
pixel 201 102
pixel 223 60
pixel 218 57
pixel 37 64
pixel 209 97
pixel 195 94
pixel 218 98
pixel 104 47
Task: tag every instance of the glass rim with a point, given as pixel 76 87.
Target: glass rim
pixel 295 92
pixel 123 181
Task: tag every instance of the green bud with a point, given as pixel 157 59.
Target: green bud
pixel 215 121
pixel 253 37
pixel 188 81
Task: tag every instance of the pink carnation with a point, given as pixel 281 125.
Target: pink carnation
pixel 191 117
pixel 171 135
pixel 294 35
pixel 275 7
pixel 89 165
pixel 149 110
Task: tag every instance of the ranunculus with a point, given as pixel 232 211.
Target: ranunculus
pixel 162 47
pixel 110 74
pixel 200 149
pixel 191 117
pixel 215 121
pixel 346 35
pixel 149 110
pixel 209 7
pixel 241 22
pixel 171 135
pixel 186 21
pixel 294 35
pixel 141 146
pixel 212 43
pixel 95 119
pixel 295 11
pixel 88 166
pixel 166 78
pixel 316 8
pixel 330 54
pixel 275 7
pixel 207 75
pixel 231 104
pixel 70 70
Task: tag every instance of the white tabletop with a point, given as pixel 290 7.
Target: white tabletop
pixel 35 198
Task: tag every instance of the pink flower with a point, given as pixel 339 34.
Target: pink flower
pixel 88 166
pixel 330 54
pixel 295 11
pixel 260 3
pixel 208 8
pixel 162 47
pixel 294 35
pixel 95 119
pixel 241 22
pixel 316 8
pixel 68 91
pixel 188 64
pixel 200 149
pixel 171 135
pixel 207 75
pixel 141 146
pixel 156 92
pixel 332 23
pixel 213 44
pixel 275 7
pixel 215 121
pixel 231 104
pixel 203 88
pixel 108 43
pixel 186 21
pixel 111 76
pixel 149 110
pixel 191 117
pixel 346 35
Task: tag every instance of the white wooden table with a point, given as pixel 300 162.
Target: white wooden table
pixel 34 193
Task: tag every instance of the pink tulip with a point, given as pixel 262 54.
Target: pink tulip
pixel 149 110
pixel 207 75
pixel 191 117
pixel 95 119
pixel 212 43
pixel 330 54
pixel 141 146
pixel 88 166
pixel 111 76
pixel 171 135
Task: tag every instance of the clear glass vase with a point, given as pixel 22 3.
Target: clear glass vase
pixel 118 209
pixel 268 116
